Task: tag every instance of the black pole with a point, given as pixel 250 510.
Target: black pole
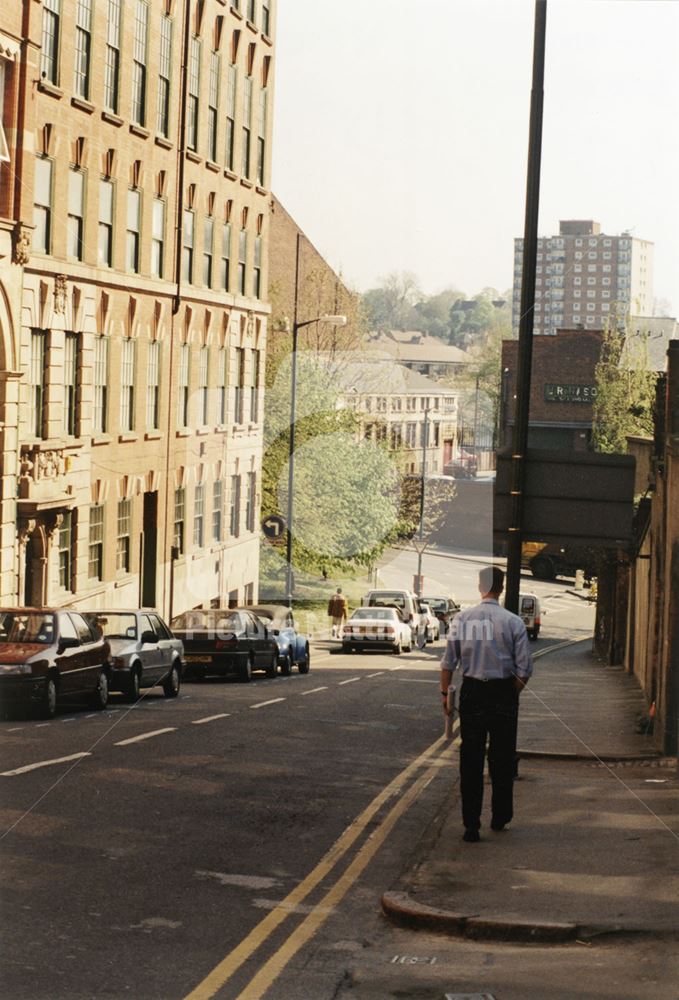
pixel 525 353
pixel 291 448
pixel 423 488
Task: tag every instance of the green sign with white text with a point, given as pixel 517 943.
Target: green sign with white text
pixel 558 393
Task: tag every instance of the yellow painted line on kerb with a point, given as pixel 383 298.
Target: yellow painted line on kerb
pixel 258 935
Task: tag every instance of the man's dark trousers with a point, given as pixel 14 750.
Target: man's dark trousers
pixel 489 711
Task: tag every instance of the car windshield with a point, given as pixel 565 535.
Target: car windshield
pixel 387 600
pixel 437 603
pixel 116 625
pixel 16 626
pixel 375 614
pixel 207 621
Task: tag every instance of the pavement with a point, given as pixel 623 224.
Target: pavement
pixel 594 846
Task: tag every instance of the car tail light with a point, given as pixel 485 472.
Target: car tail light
pixel 348 629
pixel 390 630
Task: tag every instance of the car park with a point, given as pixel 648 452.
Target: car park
pixel 433 629
pixel 223 641
pixel 51 654
pixel 405 601
pixel 143 651
pixel 293 647
pixel 445 609
pixel 377 628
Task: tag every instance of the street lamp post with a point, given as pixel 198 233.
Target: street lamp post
pixel 334 320
pixel 423 487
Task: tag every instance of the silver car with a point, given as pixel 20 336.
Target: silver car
pixel 144 651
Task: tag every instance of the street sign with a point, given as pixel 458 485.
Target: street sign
pixel 273 526
pixel 570 497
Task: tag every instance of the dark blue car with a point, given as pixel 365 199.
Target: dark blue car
pixel 293 647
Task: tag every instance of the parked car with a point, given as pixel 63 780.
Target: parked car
pixel 445 609
pixel 464 465
pixel 433 629
pixel 143 651
pixel 293 647
pixel 529 609
pixel 405 601
pixel 377 628
pixel 48 654
pixel 225 641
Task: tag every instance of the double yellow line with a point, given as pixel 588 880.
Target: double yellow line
pixel 272 968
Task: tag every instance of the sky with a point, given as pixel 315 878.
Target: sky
pixel 401 131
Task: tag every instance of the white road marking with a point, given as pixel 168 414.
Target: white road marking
pixel 244 881
pixel 210 718
pixel 145 736
pixel 42 725
pixel 68 720
pixel 262 704
pixel 314 691
pixel 350 681
pixel 92 716
pixel 16 730
pixel 378 674
pixel 43 763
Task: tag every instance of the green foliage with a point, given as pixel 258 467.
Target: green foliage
pixel 391 305
pixel 625 391
pixel 438 495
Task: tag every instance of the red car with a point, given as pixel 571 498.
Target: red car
pixel 463 466
pixel 46 654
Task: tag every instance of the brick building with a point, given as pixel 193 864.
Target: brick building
pixel 133 320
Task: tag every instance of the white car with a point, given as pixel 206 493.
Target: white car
pixel 433 626
pixel 377 628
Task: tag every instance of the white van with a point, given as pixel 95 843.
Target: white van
pixel 406 603
pixel 529 609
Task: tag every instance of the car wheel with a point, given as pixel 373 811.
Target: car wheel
pixel 172 682
pixel 272 669
pixel 543 568
pixel 48 699
pixel 286 664
pixel 245 671
pixel 133 685
pixel 398 649
pixel 100 693
pixel 346 648
pixel 305 665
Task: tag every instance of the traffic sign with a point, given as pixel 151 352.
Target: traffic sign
pixel 273 526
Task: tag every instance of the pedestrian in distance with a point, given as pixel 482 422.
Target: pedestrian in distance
pixel 489 646
pixel 338 611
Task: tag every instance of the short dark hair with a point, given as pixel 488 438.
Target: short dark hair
pixel 339 590
pixel 491 580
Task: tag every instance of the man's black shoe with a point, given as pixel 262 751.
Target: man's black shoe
pixel 498 826
pixel 471 836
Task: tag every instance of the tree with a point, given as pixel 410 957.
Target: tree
pixel 625 391
pixel 433 313
pixel 420 521
pixel 390 306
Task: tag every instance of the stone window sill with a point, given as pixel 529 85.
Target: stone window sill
pixel 230 174
pixel 82 104
pixel 211 165
pixel 251 26
pixel 101 439
pixel 261 190
pixel 182 432
pixel 161 141
pixel 127 436
pixel 202 431
pixel 139 130
pixel 112 118
pixel 124 581
pixel 193 156
pixel 50 88
pixel 153 436
pixel 246 183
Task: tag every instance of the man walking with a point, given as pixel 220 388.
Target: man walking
pixel 489 646
pixel 338 610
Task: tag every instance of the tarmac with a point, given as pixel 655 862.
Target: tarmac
pixel 594 845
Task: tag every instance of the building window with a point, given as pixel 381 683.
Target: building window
pixel 247 125
pixel 179 514
pixel 261 137
pixel 221 386
pixel 65 551
pixel 141 22
pixel 158 238
pixel 257 270
pixel 133 230
pixel 242 259
pixel 226 256
pixel 100 385
pixel 238 415
pixel 213 106
pixel 49 59
pixel 266 18
pixel 208 243
pixel 127 385
pixel 76 211
pixel 187 247
pixel 198 515
pixel 95 562
pixel 217 510
pixel 164 69
pixel 153 387
pixel 194 94
pixel 230 117
pixel 83 48
pixel 105 243
pixel 183 397
pixel 112 63
pixel 42 208
pixel 252 11
pixel 234 513
pixel 70 383
pixel 36 383
pixel 123 538
pixel 203 378
pixel 254 388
